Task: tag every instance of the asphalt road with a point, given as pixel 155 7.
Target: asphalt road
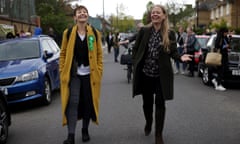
pixel 197 115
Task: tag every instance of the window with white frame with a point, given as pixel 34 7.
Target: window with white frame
pixel 212 14
pixel 217 13
pixel 221 11
pixel 227 9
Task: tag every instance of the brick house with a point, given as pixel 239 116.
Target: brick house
pixel 214 11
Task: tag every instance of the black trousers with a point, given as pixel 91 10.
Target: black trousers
pixel 191 63
pixel 80 103
pixel 222 70
pixel 152 93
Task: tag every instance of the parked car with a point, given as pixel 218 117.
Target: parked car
pixel 202 40
pixel 5 117
pixel 29 68
pixel 233 73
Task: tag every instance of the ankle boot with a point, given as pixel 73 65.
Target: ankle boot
pixel 148 129
pixel 149 119
pixel 70 139
pixel 159 124
pixel 85 135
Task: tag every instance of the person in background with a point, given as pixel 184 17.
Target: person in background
pixel 132 38
pixel 152 69
pixel 52 34
pixel 189 49
pixel 81 68
pixel 116 46
pixel 222 44
pixel 109 39
pixel 22 34
pixel 181 37
pixel 37 31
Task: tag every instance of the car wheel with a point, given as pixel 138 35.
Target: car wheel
pixel 3 124
pixel 47 97
pixel 206 76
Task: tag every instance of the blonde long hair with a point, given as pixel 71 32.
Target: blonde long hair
pixel 164 28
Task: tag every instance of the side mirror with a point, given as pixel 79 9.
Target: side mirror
pixel 47 54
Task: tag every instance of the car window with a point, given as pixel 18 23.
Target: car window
pixel 235 44
pixel 53 45
pixel 23 49
pixel 46 46
pixel 50 46
pixel 203 42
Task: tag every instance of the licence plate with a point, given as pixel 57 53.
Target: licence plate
pixel 4 90
pixel 236 72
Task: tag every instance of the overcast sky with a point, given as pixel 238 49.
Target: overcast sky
pixel 135 8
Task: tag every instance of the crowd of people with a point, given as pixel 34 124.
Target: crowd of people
pixel 185 44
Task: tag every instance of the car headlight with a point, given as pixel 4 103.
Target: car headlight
pixel 28 76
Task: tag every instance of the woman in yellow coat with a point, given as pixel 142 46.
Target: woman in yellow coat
pixel 81 70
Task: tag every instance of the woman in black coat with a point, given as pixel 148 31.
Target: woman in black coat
pixel 222 44
pixel 153 74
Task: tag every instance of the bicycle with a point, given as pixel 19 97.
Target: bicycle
pixel 126 59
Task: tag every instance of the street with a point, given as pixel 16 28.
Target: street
pixel 197 115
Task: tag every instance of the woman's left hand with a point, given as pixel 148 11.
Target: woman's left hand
pixel 186 57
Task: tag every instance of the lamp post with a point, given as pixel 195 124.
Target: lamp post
pixel 103 10
pixel 197 11
pixel 103 22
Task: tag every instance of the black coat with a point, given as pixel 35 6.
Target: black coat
pixel 166 71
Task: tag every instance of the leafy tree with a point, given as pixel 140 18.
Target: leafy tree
pixel 222 24
pixel 147 15
pixel 122 22
pixel 178 13
pixel 52 14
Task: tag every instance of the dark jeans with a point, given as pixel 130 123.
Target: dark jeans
pixel 109 47
pixel 180 51
pixel 191 63
pixel 116 54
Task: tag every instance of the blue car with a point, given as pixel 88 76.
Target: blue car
pixel 29 68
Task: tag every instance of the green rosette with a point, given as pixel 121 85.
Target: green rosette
pixel 90 42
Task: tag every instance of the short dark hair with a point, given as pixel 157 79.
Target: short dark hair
pixel 79 8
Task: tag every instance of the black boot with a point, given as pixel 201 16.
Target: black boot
pixel 159 123
pixel 70 139
pixel 85 135
pixel 149 119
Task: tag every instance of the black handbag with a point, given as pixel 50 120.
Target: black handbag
pixel 126 59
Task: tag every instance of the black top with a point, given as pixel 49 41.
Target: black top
pixel 81 51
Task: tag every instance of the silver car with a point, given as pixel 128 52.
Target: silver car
pixel 233 73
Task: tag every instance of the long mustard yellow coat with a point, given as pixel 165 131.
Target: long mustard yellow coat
pixel 95 63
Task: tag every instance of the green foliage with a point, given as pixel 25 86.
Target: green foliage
pixel 237 30
pixel 146 16
pixel 52 14
pixel 124 24
pixel 177 15
pixel 222 24
pixel 199 31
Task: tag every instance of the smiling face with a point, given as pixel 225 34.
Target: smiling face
pixel 158 15
pixel 81 14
